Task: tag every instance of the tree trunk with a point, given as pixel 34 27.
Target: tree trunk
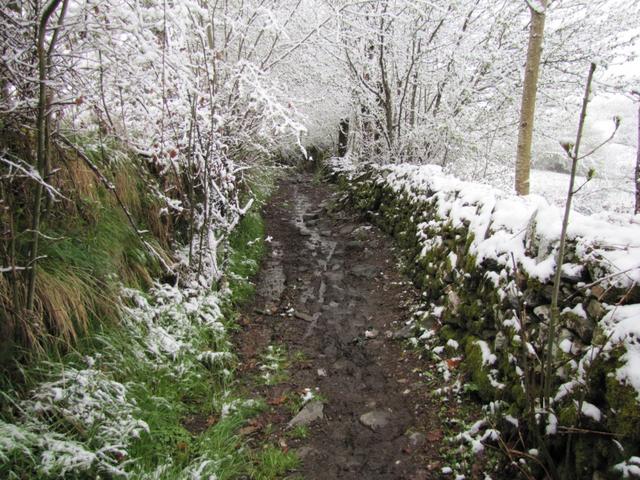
pixel 637 179
pixel 343 137
pixel 529 90
pixel 386 89
pixel 42 143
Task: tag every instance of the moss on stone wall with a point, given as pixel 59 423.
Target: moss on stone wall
pixel 477 370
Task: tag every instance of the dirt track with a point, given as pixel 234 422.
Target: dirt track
pixel 331 293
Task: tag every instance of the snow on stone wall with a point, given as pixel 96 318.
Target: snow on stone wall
pixel 485 260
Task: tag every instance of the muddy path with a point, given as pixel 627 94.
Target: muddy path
pixel 331 295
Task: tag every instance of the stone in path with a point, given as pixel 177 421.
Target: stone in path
pixel 376 419
pixel 311 412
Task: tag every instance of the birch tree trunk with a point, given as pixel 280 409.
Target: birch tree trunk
pixel 529 90
pixel 637 172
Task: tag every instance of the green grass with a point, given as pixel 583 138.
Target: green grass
pixel 246 249
pixel 272 463
pixel 219 450
pixel 246 243
pixel 105 248
pixel 87 262
pixel 299 432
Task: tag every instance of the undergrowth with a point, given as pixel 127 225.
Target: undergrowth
pixel 87 249
pixel 247 248
pixel 151 397
pixel 247 242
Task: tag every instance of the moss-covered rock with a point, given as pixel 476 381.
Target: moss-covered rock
pixel 623 402
pixel 478 368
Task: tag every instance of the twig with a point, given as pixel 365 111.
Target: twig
pixel 572 430
pixel 35 176
pixel 613 134
pixel 607 277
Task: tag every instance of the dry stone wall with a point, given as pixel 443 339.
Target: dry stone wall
pixel 485 262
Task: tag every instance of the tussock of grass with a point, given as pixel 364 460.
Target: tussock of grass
pixel 68 300
pixel 272 463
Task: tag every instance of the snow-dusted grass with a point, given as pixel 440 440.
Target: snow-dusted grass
pixel 273 365
pixel 117 405
pixel 120 408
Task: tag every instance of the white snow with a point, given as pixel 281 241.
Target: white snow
pixel 453 344
pixel 504 224
pixel 577 310
pixel 488 358
pixel 630 468
pixel 565 389
pixel 477 434
pixel 552 424
pixel 569 346
pixel 307 395
pixel 512 420
pixel 453 259
pixel 622 326
pixel 590 410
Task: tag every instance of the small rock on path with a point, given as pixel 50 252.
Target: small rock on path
pixel 311 412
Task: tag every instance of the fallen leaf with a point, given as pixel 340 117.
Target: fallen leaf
pixel 249 429
pixel 182 446
pixel 212 420
pixel 453 362
pixel 278 400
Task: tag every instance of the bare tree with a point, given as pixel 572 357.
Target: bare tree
pixel 529 91
pixel 636 179
pixel 44 52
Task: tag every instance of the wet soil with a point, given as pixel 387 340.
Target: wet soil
pixel 330 292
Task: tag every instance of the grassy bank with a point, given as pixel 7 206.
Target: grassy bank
pixel 88 248
pixel 151 396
